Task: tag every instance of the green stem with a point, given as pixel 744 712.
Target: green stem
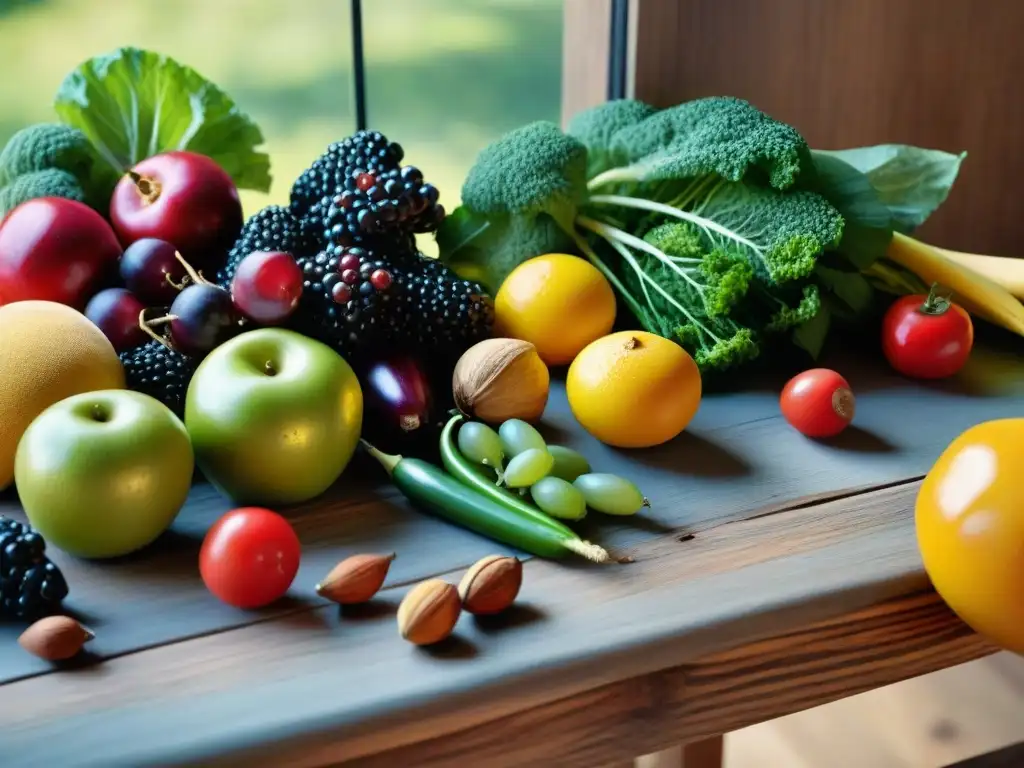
pixel 935 304
pixel 387 460
pixel 650 205
pixel 612 278
pixel 610 233
pixel 613 176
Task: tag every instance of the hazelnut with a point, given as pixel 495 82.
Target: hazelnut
pixel 355 579
pixel 491 584
pixel 428 613
pixel 55 638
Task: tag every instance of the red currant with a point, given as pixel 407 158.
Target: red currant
pixel 350 276
pixel 381 279
pixel 348 261
pixel 365 180
pixel 341 293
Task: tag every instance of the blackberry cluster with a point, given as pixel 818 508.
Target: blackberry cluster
pixel 160 372
pixel 368 150
pixel 361 300
pixel 30 585
pixel 365 282
pixel 272 229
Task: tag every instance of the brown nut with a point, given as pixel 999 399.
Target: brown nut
pixel 55 638
pixel 428 613
pixel 355 579
pixel 491 585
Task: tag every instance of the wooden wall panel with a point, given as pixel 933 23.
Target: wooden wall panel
pixel 938 73
pixel 585 50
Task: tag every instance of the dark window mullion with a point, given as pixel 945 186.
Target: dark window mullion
pixel 358 65
pixel 618 49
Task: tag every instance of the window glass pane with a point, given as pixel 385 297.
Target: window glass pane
pixel 288 65
pixel 446 77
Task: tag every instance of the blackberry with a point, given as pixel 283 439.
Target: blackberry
pixel 159 372
pixel 381 201
pixel 357 300
pixel 30 585
pixel 368 150
pixel 272 229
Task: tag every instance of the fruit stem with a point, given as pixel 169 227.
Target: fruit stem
pixel 148 188
pixel 145 326
pixel 935 304
pixel 388 461
pixel 197 277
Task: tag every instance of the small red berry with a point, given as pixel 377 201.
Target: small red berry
pixel 381 279
pixel 349 261
pixel 365 180
pixel 341 293
pixel 350 276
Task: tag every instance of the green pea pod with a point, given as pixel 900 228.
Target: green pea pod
pixel 432 489
pixel 463 470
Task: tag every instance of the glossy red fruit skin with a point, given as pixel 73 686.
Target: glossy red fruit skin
pixel 54 249
pixel 926 337
pixel 249 557
pixel 398 403
pixel 116 311
pixel 194 205
pixel 818 403
pixel 267 286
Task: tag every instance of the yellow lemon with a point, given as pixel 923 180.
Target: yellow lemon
pixel 557 302
pixel 633 389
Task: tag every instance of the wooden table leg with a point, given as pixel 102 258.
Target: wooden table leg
pixel 706 753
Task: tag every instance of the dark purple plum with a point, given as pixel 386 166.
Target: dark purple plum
pixel 151 270
pixel 203 317
pixel 116 312
pixel 399 404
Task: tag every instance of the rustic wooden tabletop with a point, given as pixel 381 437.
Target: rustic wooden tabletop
pixel 771 574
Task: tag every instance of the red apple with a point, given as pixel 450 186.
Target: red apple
pixel 184 198
pixel 54 249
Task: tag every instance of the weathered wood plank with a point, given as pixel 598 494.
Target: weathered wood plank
pixel 737 459
pixel 315 688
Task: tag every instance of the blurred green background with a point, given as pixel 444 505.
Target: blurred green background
pixel 444 77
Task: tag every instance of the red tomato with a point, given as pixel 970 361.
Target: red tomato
pixel 249 557
pixel 818 402
pixel 927 337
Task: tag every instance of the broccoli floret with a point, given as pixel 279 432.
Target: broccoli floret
pixel 43 146
pixel 532 170
pixel 720 135
pixel 596 126
pixel 47 183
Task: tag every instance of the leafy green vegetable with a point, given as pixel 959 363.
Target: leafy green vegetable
pixel 913 182
pixel 716 225
pixel 133 104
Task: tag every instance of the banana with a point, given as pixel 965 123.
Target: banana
pixel 972 290
pixel 1009 273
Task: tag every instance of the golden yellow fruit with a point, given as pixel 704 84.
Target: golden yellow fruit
pixel 48 352
pixel 557 302
pixel 633 389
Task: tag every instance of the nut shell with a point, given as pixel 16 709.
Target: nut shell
pixel 55 638
pixel 355 579
pixel 491 585
pixel 428 613
pixel 500 379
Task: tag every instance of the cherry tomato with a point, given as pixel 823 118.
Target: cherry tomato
pixel 969 517
pixel 927 337
pixel 818 402
pixel 249 557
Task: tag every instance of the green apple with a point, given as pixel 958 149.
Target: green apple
pixel 274 417
pixel 104 473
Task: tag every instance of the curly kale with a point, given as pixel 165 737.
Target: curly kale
pixel 694 214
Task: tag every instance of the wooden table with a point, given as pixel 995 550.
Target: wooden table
pixel 773 573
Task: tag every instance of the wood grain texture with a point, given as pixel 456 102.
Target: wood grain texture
pixel 940 74
pixel 1007 757
pixel 837 587
pixel 585 44
pixel 737 459
pixel 705 753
